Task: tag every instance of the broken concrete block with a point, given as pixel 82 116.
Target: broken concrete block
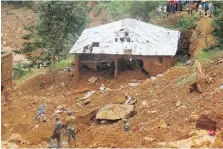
pixel 115 112
pixel 92 79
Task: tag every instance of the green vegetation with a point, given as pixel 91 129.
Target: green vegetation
pixel 20 70
pixel 63 63
pixel 206 56
pixel 60 22
pixel 27 36
pixel 18 4
pixel 187 22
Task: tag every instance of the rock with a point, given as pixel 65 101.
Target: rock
pixel 115 112
pixel 6 144
pixel 204 122
pixel 6 125
pixel 62 84
pixel 102 88
pixel 89 94
pixel 193 118
pixel 87 101
pixel 198 140
pixel 179 103
pixel 144 103
pixel 160 123
pixel 16 138
pixel 58 112
pixel 92 79
pixel 61 108
pixel 26 142
pixel 154 111
pixel 134 84
pixel 148 139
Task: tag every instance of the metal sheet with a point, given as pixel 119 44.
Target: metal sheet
pixel 145 39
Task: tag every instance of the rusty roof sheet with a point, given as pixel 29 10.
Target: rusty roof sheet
pixel 146 39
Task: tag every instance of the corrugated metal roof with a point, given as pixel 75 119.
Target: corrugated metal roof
pixel 144 39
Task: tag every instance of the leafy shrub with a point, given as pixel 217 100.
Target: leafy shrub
pixel 187 22
pixel 20 70
pixel 27 36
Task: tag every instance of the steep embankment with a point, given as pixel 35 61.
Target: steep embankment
pixel 13 22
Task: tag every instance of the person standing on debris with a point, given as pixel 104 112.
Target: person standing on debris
pixel 206 8
pixel 56 134
pixel 40 112
pixel 191 9
pixel 211 9
pixel 70 128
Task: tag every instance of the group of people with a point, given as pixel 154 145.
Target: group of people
pixel 70 128
pixel 199 6
pixel 191 6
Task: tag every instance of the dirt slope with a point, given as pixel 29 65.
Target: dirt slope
pixel 13 22
pixel 161 96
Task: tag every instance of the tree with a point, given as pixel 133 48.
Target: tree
pixel 218 22
pixel 60 22
pixel 218 28
pixel 142 8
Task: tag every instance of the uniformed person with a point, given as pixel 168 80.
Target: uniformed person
pixel 56 134
pixel 70 128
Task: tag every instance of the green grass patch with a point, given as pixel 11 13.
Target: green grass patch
pixel 187 22
pixel 63 63
pixel 205 56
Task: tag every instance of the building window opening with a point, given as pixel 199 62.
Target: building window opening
pixel 126 34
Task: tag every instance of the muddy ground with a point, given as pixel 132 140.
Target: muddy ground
pixel 160 96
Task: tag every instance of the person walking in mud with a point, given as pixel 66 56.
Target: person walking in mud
pixel 70 128
pixel 56 134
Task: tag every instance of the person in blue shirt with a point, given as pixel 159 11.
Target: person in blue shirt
pixel 40 112
pixel 206 8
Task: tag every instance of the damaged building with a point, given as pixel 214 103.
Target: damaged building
pixel 117 43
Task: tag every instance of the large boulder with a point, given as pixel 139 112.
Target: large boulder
pixel 115 111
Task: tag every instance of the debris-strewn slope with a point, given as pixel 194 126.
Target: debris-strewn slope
pixel 166 98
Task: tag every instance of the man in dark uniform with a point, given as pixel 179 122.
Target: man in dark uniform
pixel 56 134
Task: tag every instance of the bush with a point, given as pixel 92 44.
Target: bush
pixel 20 70
pixel 27 36
pixel 63 63
pixel 187 22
